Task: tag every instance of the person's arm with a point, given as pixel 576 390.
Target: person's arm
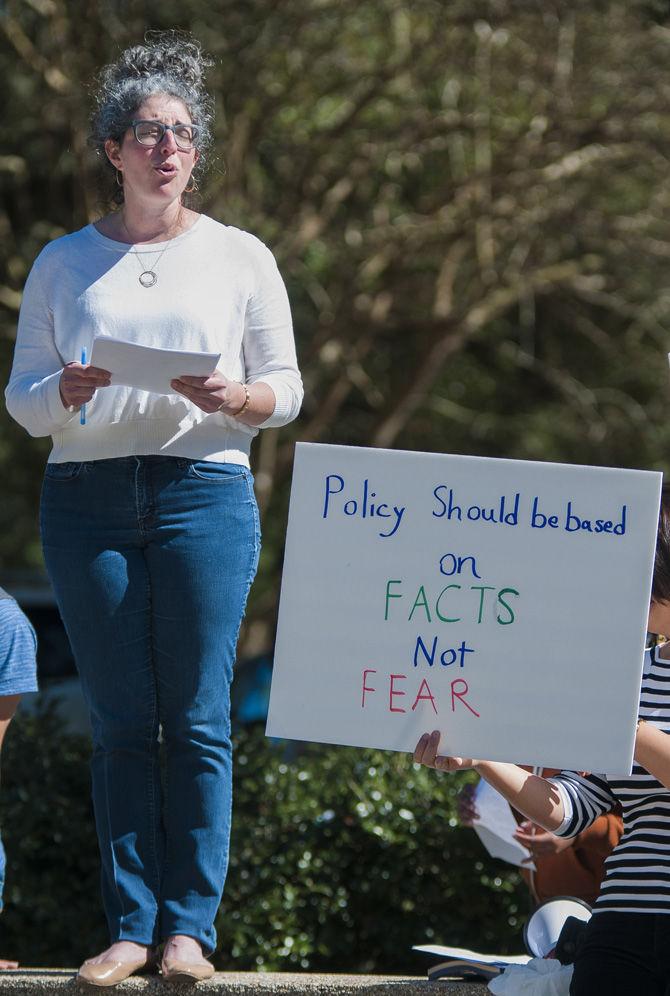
pixel 18 653
pixel 272 392
pixel 565 804
pixel 535 797
pixel 652 751
pixel 33 393
pixel 269 348
pixel 252 404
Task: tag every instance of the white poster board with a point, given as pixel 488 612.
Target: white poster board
pixel 501 602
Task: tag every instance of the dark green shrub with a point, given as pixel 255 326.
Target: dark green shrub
pixel 52 911
pixel 341 859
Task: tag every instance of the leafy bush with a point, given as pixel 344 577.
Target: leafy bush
pixel 52 911
pixel 341 859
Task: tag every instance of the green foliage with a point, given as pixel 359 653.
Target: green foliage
pixel 344 858
pixel 52 910
pixel 341 859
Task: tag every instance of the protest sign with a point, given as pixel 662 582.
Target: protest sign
pixel 502 602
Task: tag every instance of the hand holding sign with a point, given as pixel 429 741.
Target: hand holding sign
pixel 426 750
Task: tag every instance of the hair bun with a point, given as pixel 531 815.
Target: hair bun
pixel 168 53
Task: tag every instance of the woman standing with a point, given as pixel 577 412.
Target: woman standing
pixel 149 523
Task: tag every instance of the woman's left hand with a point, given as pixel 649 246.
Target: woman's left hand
pixel 540 842
pixel 212 394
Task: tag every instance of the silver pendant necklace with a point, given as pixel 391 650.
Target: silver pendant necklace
pixel 148 276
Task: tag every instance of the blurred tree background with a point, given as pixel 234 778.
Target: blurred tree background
pixel 468 200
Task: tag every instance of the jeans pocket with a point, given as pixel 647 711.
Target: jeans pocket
pixel 224 473
pixel 63 471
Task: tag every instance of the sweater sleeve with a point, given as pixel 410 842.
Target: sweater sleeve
pixel 585 798
pixel 32 394
pixel 268 345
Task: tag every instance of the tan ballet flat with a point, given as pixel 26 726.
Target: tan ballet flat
pixel 186 971
pixel 110 973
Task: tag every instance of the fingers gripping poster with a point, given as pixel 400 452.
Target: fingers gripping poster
pixel 501 602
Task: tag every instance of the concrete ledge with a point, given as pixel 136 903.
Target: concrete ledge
pixel 38 981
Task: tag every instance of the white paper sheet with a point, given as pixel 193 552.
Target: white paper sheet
pixel 148 368
pixel 495 827
pixel 463 953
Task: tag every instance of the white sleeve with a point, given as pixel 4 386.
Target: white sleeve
pixel 32 394
pixel 268 344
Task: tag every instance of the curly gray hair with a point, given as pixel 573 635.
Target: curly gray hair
pixel 169 62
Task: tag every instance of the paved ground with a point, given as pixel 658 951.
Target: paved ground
pixel 40 981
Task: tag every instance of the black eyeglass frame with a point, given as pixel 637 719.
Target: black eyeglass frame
pixel 165 127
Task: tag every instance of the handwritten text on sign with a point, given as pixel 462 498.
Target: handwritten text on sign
pixel 502 602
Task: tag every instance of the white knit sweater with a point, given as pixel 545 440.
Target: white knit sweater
pixel 218 290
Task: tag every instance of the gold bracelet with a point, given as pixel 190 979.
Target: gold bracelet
pixel 639 724
pixel 246 404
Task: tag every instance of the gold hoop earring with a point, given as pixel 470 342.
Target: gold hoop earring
pixel 119 178
pixel 192 189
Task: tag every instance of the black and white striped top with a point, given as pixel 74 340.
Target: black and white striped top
pixel 637 872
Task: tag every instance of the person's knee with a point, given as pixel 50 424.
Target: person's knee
pixel 122 736
pixel 204 736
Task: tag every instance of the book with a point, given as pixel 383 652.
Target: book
pixel 459 963
pixel 465 970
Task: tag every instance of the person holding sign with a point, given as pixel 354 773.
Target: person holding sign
pixel 149 522
pixel 626 948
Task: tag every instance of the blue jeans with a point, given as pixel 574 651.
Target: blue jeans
pixel 151 559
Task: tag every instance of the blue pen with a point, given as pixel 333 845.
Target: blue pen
pixel 82 410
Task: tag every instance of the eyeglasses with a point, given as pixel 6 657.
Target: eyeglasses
pixel 150 133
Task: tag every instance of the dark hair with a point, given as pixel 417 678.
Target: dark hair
pixel 660 587
pixel 169 62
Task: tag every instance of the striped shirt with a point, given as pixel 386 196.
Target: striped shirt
pixel 18 646
pixel 637 872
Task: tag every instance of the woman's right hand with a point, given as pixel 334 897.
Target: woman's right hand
pixel 425 753
pixel 79 382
